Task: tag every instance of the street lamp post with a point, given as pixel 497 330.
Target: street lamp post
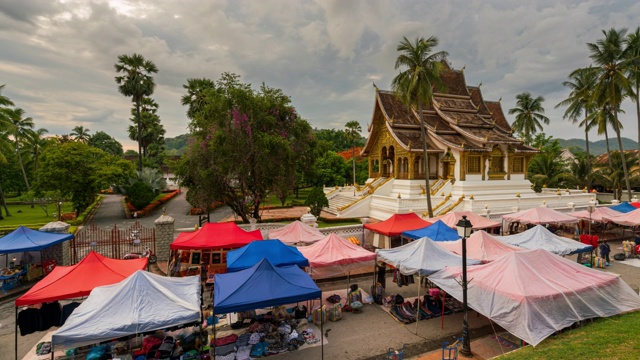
pixel 591 208
pixel 464 230
pixel 59 210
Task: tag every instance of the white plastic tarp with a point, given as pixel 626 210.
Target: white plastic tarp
pixel 538 237
pixel 140 303
pixel 421 257
pixel 481 246
pixel 533 293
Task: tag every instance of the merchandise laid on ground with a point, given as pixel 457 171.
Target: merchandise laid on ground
pixel 433 305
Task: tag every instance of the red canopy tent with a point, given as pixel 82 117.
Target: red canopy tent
pixel 215 236
pixel 66 282
pixel 394 226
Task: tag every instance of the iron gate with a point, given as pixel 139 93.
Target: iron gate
pixel 114 243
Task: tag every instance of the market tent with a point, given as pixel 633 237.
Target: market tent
pixel 394 226
pixel 335 256
pixel 142 302
pixel 533 294
pixel 296 232
pixel 260 286
pixel 540 215
pixel 24 239
pixel 438 231
pixel 624 207
pixel 423 257
pixel 635 204
pixel 631 218
pixel 538 237
pixel 478 222
pixel 598 214
pixel 66 282
pixel 215 236
pixel 275 251
pixel 481 246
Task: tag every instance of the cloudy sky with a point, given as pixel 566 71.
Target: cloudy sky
pixel 57 56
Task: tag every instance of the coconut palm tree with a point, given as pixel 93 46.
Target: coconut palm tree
pixel 415 85
pixel 196 95
pixel 612 85
pixel 633 58
pixel 21 130
pixel 137 83
pixel 5 121
pixel 579 104
pixel 36 142
pixel 79 133
pixel 529 113
pixel 353 130
pixel 614 177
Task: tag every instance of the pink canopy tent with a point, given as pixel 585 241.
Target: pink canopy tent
pixel 629 219
pixel 478 222
pixel 481 246
pixel 336 256
pixel 540 216
pixel 533 293
pixel 296 232
pixel 598 214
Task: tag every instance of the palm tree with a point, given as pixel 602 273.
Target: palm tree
pixel 81 134
pixel 136 82
pixel 196 95
pixel 22 128
pixel 612 85
pixel 36 142
pixel 633 59
pixel 415 85
pixel 614 177
pixel 579 103
pixel 5 144
pixel 601 119
pixel 529 113
pixel 353 131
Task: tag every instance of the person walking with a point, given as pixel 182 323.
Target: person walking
pixel 605 249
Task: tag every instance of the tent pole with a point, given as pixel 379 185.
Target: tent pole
pixel 418 303
pixel 442 311
pixel 16 334
pixel 321 330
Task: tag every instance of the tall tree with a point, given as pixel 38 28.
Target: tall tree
pixel 353 130
pixel 579 104
pixel 633 61
pixel 415 85
pixel 612 86
pixel 5 127
pixel 21 130
pixel 106 143
pixel 36 142
pixel 152 137
pixel 196 96
pixel 137 83
pixel 79 133
pixel 529 113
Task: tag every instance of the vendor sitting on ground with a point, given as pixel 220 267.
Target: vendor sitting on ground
pixel 354 298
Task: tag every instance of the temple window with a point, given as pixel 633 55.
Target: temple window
pixel 518 165
pixel 473 164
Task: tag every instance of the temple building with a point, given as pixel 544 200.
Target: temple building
pixel 474 159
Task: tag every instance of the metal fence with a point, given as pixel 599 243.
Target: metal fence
pixel 114 243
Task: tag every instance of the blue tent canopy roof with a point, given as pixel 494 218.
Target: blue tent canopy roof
pixel 624 207
pixel 261 286
pixel 24 239
pixel 278 254
pixel 438 231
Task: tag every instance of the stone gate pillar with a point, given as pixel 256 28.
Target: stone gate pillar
pixel 164 236
pixel 60 252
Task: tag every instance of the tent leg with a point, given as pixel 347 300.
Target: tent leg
pixel 442 311
pixel 418 307
pixel 321 331
pixel 16 333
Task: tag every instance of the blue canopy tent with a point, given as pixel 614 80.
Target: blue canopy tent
pixel 23 239
pixel 438 231
pixel 624 207
pixel 277 252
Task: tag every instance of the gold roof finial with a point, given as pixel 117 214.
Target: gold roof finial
pixel 462 145
pixel 464 67
pixel 374 85
pixel 500 100
pixel 479 85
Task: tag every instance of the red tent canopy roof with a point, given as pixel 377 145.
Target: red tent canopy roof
pixel 66 282
pixel 398 223
pixel 215 236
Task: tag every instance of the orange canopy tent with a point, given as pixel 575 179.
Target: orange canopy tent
pixel 394 226
pixel 215 236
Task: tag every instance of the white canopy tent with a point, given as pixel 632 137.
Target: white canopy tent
pixel 538 237
pixel 140 303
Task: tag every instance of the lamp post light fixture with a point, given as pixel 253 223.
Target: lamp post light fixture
pixel 591 208
pixel 464 231
pixel 59 210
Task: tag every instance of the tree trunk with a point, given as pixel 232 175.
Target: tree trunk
pixel 586 138
pixel 606 141
pixel 622 156
pixel 4 204
pixel 638 117
pixel 139 136
pixel 353 160
pixel 24 174
pixel 426 160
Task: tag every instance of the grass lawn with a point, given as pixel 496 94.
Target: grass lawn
pixel 609 338
pixel 273 200
pixel 322 224
pixel 25 215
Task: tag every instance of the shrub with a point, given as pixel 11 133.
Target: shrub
pixel 316 200
pixel 140 194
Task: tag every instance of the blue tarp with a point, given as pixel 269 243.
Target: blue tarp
pixel 438 231
pixel 24 239
pixel 624 207
pixel 278 254
pixel 261 286
pixel 422 257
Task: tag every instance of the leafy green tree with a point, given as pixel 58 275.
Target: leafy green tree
pixel 79 133
pixel 353 130
pixel 35 142
pixel 5 144
pixel 130 153
pixel 140 194
pixel 22 126
pixel 529 113
pixel 614 177
pixel 316 200
pixel 581 171
pixel 137 83
pixel 79 171
pixel 106 143
pixel 244 143
pixel 331 170
pixel 547 169
pixel 415 85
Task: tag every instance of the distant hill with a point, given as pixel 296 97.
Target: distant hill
pixel 599 147
pixel 177 145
